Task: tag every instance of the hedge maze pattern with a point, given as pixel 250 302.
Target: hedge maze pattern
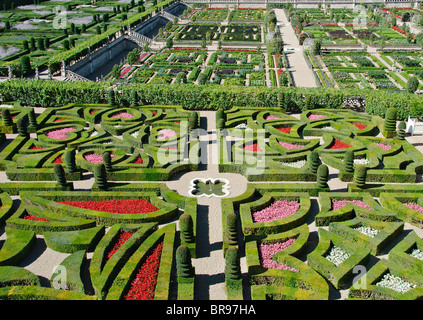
pixel 132 150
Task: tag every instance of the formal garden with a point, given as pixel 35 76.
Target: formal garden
pixel 116 189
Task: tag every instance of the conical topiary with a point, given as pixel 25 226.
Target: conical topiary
pixel 322 176
pixel 184 266
pixel 186 227
pixel 231 234
pixel 6 117
pixel 390 124
pixel 349 161
pixel 314 161
pixel 100 176
pixel 107 160
pixel 360 175
pixel 32 118
pixel 70 162
pixel 59 173
pixel 401 130
pixel 22 129
pixel 232 264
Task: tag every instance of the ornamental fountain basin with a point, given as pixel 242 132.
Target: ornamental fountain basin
pixel 209 187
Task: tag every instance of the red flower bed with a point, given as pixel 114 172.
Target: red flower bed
pixel 58 160
pixel 285 129
pixel 340 145
pixel 61 119
pixel 124 206
pixel 298 30
pixel 33 218
pixel 144 284
pixel 123 236
pixel 280 72
pixel 93 111
pixel 138 161
pixel 252 147
pixel 36 148
pixel 359 125
pixel 398 29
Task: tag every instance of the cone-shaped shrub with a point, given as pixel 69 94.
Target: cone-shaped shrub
pixel 107 160
pixel 390 124
pixel 231 229
pixel 59 173
pixel 322 176
pixel 349 161
pixel 314 161
pixel 232 264
pixel 220 124
pixel 183 262
pixel 100 176
pixel 32 118
pixel 220 114
pixel 70 162
pixel 360 175
pixel 186 227
pixel 22 129
pixel 7 118
pixel 401 130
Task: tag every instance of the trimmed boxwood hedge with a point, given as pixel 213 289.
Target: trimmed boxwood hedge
pixel 341 274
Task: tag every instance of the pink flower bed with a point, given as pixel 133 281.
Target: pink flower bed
pixel 270 117
pixel 125 115
pixel 60 133
pixel 96 158
pixel 383 146
pixel 414 206
pixel 277 210
pixel 266 252
pixel 316 116
pixel 338 204
pixel 290 145
pixel 166 134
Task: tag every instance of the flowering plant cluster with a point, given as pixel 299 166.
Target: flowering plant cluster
pixel 291 145
pixel 383 146
pixel 277 210
pixel 166 134
pixel 138 161
pixel 96 158
pixel 296 164
pixel 270 117
pixel 416 253
pixel 338 204
pixel 125 115
pixel 58 160
pixel 124 206
pixel 359 125
pixel 60 133
pixel 316 116
pixel 395 283
pixel 368 231
pixel 285 129
pixel 414 206
pixel 123 236
pixel 266 252
pixel 337 255
pixel 143 55
pixel 33 218
pixel 126 71
pixel 252 147
pixel 339 145
pixel 144 284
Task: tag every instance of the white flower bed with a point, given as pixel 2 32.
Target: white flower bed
pixel 31 7
pixel 6 105
pixel 242 126
pixel 81 20
pixel 368 231
pixel 93 134
pixel 361 161
pixel 296 164
pixel 337 256
pixel 417 254
pixel 328 128
pixel 135 134
pixel 395 283
pixel 24 26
